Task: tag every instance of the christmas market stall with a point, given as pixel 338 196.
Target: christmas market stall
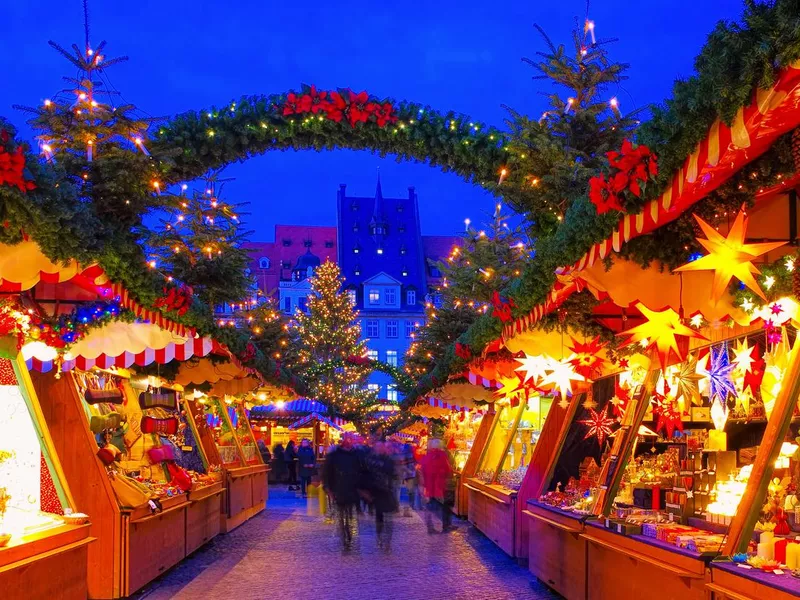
pixel 44 540
pixel 284 421
pixel 227 434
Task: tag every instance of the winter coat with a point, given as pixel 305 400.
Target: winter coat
pixel 381 482
pixel 343 475
pixel 305 461
pixel 436 471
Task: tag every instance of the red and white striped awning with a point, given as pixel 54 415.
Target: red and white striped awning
pixel 437 403
pixel 153 316
pixel 196 347
pixel 478 380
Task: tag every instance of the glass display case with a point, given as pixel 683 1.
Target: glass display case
pixel 224 436
pixel 241 425
pixel 460 436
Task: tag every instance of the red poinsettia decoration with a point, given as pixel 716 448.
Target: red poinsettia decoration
pixel 356 107
pixel 10 327
pixel 249 353
pixel 631 168
pixel 358 360
pixel 12 166
pixel 502 307
pixel 463 351
pixel 177 298
pixel 587 360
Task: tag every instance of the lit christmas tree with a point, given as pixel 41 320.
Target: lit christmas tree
pixel 272 332
pixel 200 245
pixel 98 142
pixel 332 355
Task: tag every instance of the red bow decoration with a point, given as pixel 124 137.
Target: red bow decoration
pixel 358 360
pixel 357 107
pixel 176 298
pixel 502 307
pixel 12 167
pixel 463 351
pixel 630 170
pixel 249 353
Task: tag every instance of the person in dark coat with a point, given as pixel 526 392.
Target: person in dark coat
pixel 306 461
pixel 381 486
pixel 263 449
pixel 342 477
pixel 279 462
pixel 290 455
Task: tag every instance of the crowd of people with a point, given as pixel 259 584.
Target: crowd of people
pixel 361 477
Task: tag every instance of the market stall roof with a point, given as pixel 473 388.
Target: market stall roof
pixel 334 422
pixel 298 407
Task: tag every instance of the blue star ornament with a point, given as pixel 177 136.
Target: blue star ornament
pixel 719 374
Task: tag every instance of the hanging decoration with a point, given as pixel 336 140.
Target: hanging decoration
pixel 776 361
pixel 533 367
pixel 12 166
pixel 631 168
pixel 502 307
pixel 619 401
pixel 175 298
pixel 686 381
pixel 560 378
pixel 719 375
pixel 729 257
pixel 599 425
pixel 586 359
pixel 754 376
pixel 661 333
pixel 669 416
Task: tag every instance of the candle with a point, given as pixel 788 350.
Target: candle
pixel 780 547
pixel 766 550
pixel 793 556
pixel 767 536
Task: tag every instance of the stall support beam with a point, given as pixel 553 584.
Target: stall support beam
pixel 744 520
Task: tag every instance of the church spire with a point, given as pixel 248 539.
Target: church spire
pixel 377 214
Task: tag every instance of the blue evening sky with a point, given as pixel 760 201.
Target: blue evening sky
pixel 464 56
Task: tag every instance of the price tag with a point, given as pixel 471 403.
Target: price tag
pixel 187 448
pixel 778 571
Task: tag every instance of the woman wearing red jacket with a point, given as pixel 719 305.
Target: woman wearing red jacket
pixel 436 471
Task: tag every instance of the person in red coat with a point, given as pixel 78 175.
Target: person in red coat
pixel 436 471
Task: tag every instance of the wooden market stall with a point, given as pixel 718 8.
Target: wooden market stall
pixel 44 540
pixel 283 421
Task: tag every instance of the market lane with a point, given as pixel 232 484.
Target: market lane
pixel 289 552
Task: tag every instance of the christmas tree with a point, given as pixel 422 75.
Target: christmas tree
pixel 199 243
pixel 98 141
pixel 272 332
pixel 559 152
pixel 332 355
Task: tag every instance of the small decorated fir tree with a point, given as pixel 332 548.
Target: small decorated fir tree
pixel 332 354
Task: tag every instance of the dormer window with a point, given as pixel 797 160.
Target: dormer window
pixel 287 243
pixel 357 271
pixel 380 250
pixel 355 227
pixel 405 272
pixel 403 249
pixel 401 228
pixel 400 207
pixel 307 243
pixel 354 206
pixel 329 244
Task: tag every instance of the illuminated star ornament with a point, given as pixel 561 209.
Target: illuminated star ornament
pixel 620 400
pixel 599 425
pixel 729 257
pixel 743 356
pixel 719 374
pixel 669 417
pixel 534 367
pixel 586 357
pixel 661 332
pixel 687 381
pixel 561 377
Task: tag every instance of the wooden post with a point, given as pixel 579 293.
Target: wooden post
pixel 744 520
pixel 622 450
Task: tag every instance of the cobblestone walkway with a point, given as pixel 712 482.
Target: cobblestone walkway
pixel 288 552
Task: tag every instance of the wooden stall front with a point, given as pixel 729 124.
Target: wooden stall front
pixel 41 554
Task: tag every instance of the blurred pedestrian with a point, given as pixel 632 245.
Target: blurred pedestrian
pixel 291 464
pixel 263 449
pixel 342 477
pixel 279 462
pixel 381 476
pixel 407 474
pixel 436 470
pixel 306 462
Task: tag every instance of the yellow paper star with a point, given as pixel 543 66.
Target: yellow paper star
pixel 561 377
pixel 743 356
pixel 729 257
pixel 661 330
pixel 534 367
pixel 776 362
pixel 687 382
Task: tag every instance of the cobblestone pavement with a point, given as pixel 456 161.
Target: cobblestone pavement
pixel 289 552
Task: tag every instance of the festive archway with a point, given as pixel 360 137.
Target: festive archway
pixel 342 119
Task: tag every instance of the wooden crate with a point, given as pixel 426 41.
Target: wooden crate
pixel 728 586
pixel 155 544
pixel 557 552
pixel 493 512
pixel 623 568
pixel 51 566
pixel 202 516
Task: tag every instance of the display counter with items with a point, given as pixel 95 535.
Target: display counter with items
pixel 243 482
pixel 252 457
pixel 464 437
pixel 502 468
pixel 44 541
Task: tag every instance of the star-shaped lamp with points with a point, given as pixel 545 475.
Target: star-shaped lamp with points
pixel 662 331
pixel 729 257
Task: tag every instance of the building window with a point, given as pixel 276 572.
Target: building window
pixel 302 304
pixel 411 328
pixel 391 328
pixel 411 297
pixel 372 329
pixel 329 244
pixel 287 306
pixel 437 300
pixel 355 227
pixel 401 229
pixel 403 249
pixel 357 270
pixel 356 250
pixel 286 264
pixel 400 207
pixel 307 243
pixel 405 271
pixel 263 263
pixel 391 392
pixel 287 243
pixel 374 296
pixel 391 357
pixel 374 387
pixel 389 296
pixel 352 295
pixel 435 271
pixel 354 206
pixel 372 354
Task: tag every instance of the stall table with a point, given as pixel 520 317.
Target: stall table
pixel 732 582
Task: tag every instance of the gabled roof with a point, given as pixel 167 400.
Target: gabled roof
pixel 382 278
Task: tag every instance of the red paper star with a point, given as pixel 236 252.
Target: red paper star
pixel 620 400
pixel 669 417
pixel 776 309
pixel 599 425
pixel 587 360
pixel 623 363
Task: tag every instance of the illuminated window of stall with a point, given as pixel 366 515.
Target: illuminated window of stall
pixel 223 433
pixel 241 425
pixel 496 446
pixel 522 441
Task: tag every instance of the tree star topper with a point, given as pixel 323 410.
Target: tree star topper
pixel 661 330
pixel 599 425
pixel 729 257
